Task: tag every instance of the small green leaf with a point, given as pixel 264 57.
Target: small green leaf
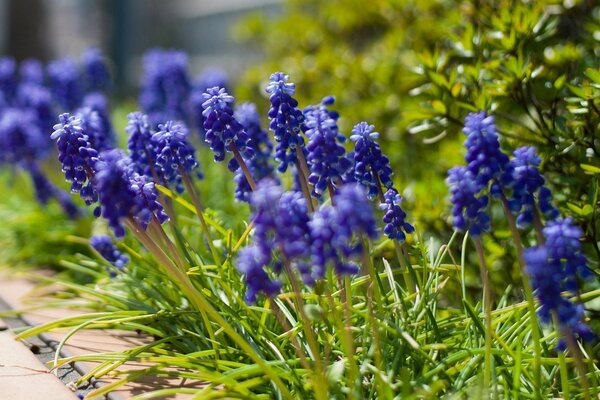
pixel 336 371
pixel 592 169
pixel 593 74
pixel 439 107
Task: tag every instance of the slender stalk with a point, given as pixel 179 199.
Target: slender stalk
pixel 187 182
pixel 537 346
pixel 201 303
pixel 331 193
pixel 320 383
pixel 303 178
pixel 243 166
pixel 564 371
pixel 302 161
pixel 157 228
pixel 487 305
pixel 576 353
pixel 537 223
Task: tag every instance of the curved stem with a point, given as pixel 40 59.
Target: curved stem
pixel 243 166
pixel 487 305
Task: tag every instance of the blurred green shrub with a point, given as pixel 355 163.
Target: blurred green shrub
pixel 416 68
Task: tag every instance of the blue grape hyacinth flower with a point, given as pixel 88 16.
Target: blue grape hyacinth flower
pixel 285 119
pixel 77 156
pixel 528 186
pixel 485 160
pixel 65 83
pixel 104 245
pixel 210 77
pixel 260 166
pixel 97 75
pixel 469 203
pixel 326 154
pixel 224 133
pixel 396 227
pixel 174 153
pixel 371 167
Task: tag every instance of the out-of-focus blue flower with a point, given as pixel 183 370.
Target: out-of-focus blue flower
pixel 165 86
pixel 251 263
pixel 96 103
pixel 8 78
pixel 485 160
pixel 547 279
pixel 31 71
pixel 45 190
pixel 117 198
pixel 336 231
pixel 173 153
pixel 394 217
pixel 285 119
pixel 222 129
pixel 527 185
pixel 77 156
pixel 93 126
pixel 20 137
pixel 371 167
pixel 97 76
pixel 210 77
pixel 468 202
pixel 39 100
pixel 104 245
pixel 563 241
pixel 139 143
pixel 326 155
pixel 260 166
pixel 65 83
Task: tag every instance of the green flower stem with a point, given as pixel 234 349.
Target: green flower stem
pixel 372 292
pixel 331 191
pixel 199 211
pixel 564 371
pixel 156 227
pixel 537 347
pixel 203 305
pixel 303 177
pixel 578 357
pixel 537 223
pixel 487 306
pixel 320 383
pixel 243 166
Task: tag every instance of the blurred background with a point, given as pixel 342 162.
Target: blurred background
pixel 125 29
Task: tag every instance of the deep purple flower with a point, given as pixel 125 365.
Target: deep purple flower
pixel 173 153
pixel 94 127
pixel 371 166
pixel 485 160
pixel 251 263
pixel 547 279
pixel 210 77
pixel 468 202
pixel 139 143
pixel 65 83
pixel 77 156
pixel 165 86
pixel 31 71
pixel 285 119
pixel 527 185
pixel 97 77
pixel 260 166
pixel 563 241
pixel 394 218
pixel 104 245
pixel 222 129
pixel 326 155
pixel 38 99
pixel 20 136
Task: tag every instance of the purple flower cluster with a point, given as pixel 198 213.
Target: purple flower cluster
pixel 527 185
pixel 468 202
pixel 8 78
pixel 122 193
pixel 326 154
pixel 65 83
pixel 96 74
pixel 209 78
pixel 104 245
pixel 548 280
pixel 485 160
pixel 31 71
pixel 371 167
pixel 77 156
pixel 20 136
pixel 394 217
pixel 260 166
pixel 173 153
pixel 285 119
pixel 223 131
pixel 165 86
pixel 139 143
